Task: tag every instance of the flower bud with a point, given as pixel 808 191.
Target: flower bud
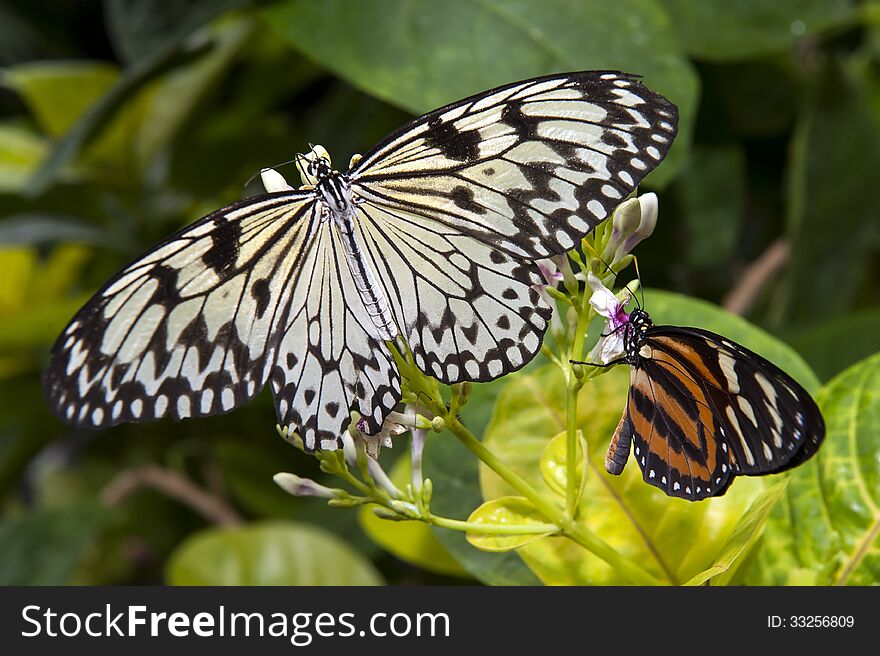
pixel 634 220
pixel 273 181
pixel 304 487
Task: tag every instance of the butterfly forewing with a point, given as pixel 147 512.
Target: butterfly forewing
pixel 189 328
pixel 703 409
pixel 529 168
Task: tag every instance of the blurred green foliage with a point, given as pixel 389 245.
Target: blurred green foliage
pixel 122 120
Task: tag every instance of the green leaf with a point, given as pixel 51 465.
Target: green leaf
pixel 672 538
pixel 268 553
pixel 100 114
pixel 554 464
pixel 827 530
pixel 454 473
pixel 411 541
pixel 742 538
pixel 421 54
pixel 676 309
pixel 20 152
pixel 723 30
pixel 60 92
pixel 509 511
pixel 45 546
pixel 839 126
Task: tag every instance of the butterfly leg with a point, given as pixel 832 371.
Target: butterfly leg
pixel 596 364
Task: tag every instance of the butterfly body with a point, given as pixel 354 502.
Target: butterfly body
pixel 338 205
pixel 432 236
pixel 703 410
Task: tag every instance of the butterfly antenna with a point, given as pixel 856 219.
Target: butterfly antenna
pixel 639 278
pixel 274 166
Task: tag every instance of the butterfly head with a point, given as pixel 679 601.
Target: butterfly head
pixel 319 168
pixel 636 334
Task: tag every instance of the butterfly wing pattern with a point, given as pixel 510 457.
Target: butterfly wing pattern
pixel 703 410
pixel 431 235
pixel 187 329
pixel 530 167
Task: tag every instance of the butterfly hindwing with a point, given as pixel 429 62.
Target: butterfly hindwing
pixel 328 362
pixel 530 167
pixel 468 311
pixel 703 409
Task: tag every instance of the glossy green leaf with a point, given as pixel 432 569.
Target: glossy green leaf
pixel 506 511
pixel 469 46
pixel 672 538
pixel 742 538
pixel 411 541
pixel 827 529
pixel 724 30
pixel 554 464
pixel 45 546
pixel 268 553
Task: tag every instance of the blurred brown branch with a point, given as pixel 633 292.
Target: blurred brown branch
pixel 754 279
pixel 174 485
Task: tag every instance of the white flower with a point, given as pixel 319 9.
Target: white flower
pixel 605 303
pixel 634 220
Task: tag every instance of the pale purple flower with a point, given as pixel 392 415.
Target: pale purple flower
pixel 605 303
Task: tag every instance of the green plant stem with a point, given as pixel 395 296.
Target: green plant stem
pixel 571 442
pixel 573 386
pixel 492 529
pixel 566 526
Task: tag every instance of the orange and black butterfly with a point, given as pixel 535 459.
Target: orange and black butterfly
pixel 703 410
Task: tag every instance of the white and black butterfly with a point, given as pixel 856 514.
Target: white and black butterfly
pixel 703 410
pixel 431 235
